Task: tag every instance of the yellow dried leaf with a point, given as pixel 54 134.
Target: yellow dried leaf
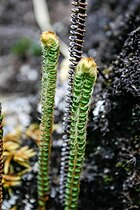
pixel 23 154
pixel 24 164
pixel 10 177
pixel 10 180
pixel 21 173
pixel 14 208
pixel 7 164
pixel 34 132
pixel 6 153
pixel 10 146
pixel 14 137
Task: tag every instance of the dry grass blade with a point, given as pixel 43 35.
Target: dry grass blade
pixel 34 133
pixel 10 180
pixel 14 153
pixel 23 154
pixel 43 19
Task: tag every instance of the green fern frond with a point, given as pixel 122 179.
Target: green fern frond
pixel 85 77
pixel 50 49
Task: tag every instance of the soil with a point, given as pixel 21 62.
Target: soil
pixel 111 176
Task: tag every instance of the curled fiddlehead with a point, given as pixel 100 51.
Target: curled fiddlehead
pixel 78 18
pixel 1 159
pixel 84 80
pixel 50 49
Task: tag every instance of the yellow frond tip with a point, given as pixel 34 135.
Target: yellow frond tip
pixel 49 38
pixel 87 66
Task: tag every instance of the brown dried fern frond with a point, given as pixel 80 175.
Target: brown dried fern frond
pixel 1 158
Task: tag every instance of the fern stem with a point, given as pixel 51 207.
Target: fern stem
pixel 50 49
pixel 85 77
pixel 78 18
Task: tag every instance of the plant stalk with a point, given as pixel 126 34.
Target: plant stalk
pixel 84 80
pixel 50 50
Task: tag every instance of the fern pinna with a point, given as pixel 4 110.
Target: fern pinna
pixel 84 80
pixel 78 17
pixel 50 49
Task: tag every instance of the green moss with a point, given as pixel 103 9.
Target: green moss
pixel 108 179
pixel 25 46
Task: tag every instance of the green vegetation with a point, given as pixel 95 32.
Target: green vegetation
pixel 84 80
pixel 50 49
pixel 85 77
pixel 24 47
